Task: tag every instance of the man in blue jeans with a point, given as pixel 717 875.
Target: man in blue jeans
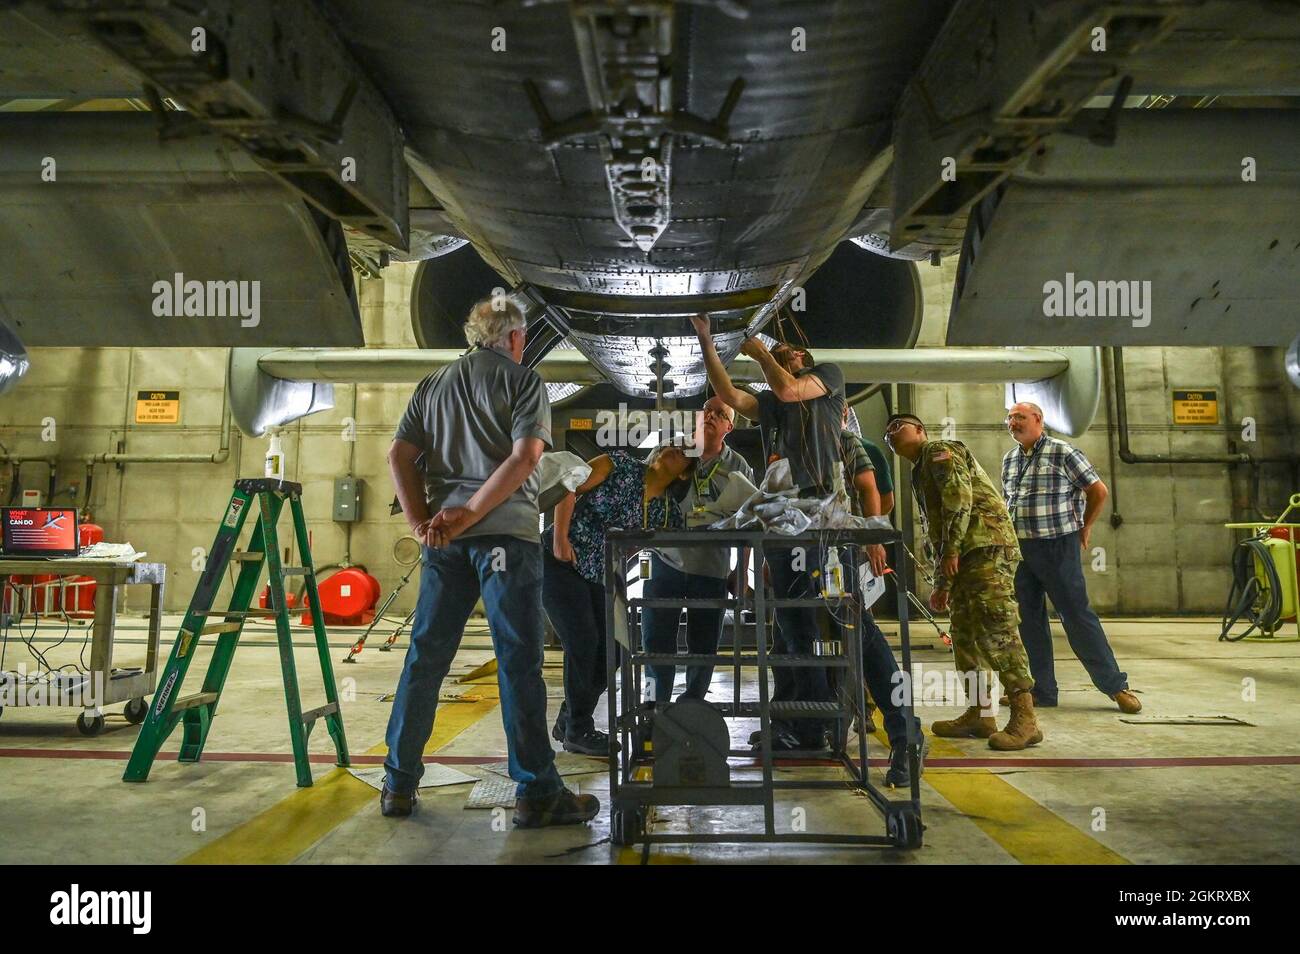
pixel 695 572
pixel 879 667
pixel 799 417
pixel 481 424
pixel 1054 496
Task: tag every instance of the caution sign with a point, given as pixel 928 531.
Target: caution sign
pixel 1196 407
pixel 157 407
pixel 582 424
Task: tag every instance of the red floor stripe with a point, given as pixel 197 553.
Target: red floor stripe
pixel 1197 761
pixel 322 759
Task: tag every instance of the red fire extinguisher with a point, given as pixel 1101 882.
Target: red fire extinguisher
pixel 79 591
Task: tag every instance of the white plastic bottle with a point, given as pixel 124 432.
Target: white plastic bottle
pixel 834 578
pixel 275 458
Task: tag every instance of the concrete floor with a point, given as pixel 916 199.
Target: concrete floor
pixel 1098 790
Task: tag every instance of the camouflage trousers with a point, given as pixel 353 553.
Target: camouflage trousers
pixel 986 617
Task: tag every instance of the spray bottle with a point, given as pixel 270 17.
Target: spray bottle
pixel 275 457
pixel 833 580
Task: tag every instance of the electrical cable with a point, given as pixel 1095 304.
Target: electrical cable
pixel 1246 590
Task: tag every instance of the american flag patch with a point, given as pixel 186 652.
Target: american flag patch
pixel 942 455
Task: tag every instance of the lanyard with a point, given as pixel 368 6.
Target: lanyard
pixel 1029 463
pixel 645 511
pixel 704 485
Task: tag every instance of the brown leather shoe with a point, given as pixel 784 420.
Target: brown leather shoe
pixel 1128 703
pixel 562 808
pixel 393 805
pixel 969 725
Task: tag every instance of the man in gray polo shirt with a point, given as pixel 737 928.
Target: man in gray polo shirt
pixel 481 424
pixel 694 572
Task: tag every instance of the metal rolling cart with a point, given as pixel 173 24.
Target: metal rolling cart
pixel 102 685
pixel 688 762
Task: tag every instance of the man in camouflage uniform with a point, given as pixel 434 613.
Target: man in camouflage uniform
pixel 970 536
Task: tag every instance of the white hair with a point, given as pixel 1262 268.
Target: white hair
pixel 491 321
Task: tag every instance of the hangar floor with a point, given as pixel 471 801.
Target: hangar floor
pixel 1098 790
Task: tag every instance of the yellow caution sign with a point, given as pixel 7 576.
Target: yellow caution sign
pixel 1196 407
pixel 158 407
pixel 582 424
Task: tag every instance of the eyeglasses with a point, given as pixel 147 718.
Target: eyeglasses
pixel 714 412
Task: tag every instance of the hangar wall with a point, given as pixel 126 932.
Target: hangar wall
pixel 1170 554
pixel 169 509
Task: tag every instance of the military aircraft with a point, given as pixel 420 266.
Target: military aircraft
pixel 1106 172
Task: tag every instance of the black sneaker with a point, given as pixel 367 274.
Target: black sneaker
pixel 561 727
pixel 394 805
pixel 782 741
pixel 778 727
pixel 562 808
pixel 900 769
pixel 594 743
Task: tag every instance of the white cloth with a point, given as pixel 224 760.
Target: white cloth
pixel 777 507
pixel 559 472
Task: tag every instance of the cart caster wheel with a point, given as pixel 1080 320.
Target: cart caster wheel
pixel 903 826
pixel 626 826
pixel 135 711
pixel 92 726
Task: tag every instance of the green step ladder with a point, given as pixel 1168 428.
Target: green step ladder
pixel 196 712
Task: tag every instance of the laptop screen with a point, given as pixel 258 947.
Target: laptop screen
pixel 44 532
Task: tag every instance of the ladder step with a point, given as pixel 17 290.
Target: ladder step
pixel 248 556
pixel 221 628
pixel 194 701
pixel 311 715
pixel 295 571
pixel 242 614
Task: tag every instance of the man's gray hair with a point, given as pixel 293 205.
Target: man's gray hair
pixel 1033 407
pixel 491 321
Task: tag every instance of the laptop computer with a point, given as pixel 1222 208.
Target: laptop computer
pixel 39 533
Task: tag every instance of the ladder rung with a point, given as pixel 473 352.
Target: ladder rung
pixel 194 701
pixel 311 715
pixel 248 555
pixel 242 614
pixel 294 571
pixel 221 628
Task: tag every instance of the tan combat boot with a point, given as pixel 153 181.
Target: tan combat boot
pixel 1022 729
pixel 969 725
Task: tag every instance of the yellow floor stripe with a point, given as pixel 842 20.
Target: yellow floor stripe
pixel 632 854
pixel 1030 833
pixel 290 827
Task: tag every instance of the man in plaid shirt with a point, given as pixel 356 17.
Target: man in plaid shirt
pixel 1054 496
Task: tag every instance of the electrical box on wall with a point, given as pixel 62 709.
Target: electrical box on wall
pixel 347 499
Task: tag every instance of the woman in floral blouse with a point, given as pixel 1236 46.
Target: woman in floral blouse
pixel 622 493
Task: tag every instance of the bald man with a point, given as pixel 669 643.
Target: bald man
pixel 1054 497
